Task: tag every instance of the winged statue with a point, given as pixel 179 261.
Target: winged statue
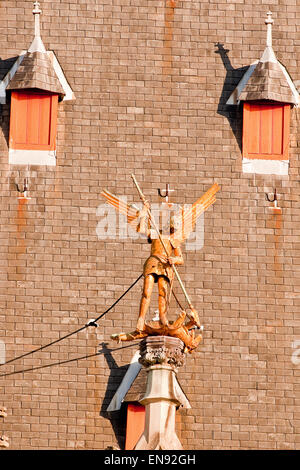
pixel 160 266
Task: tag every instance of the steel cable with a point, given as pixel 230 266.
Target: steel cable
pixel 73 332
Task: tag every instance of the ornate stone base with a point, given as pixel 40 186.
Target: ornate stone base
pixel 161 356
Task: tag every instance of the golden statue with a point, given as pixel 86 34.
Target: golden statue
pixel 160 267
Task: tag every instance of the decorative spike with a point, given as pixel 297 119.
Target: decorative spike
pixel 36 12
pixel 37 43
pixel 269 21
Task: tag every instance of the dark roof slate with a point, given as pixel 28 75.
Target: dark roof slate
pixel 268 82
pixel 36 71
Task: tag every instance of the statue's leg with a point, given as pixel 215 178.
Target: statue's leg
pixel 145 300
pixel 162 299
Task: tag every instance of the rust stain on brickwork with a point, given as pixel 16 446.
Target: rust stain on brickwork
pixel 278 245
pixel 167 64
pixel 21 222
pixel 169 18
pixel 157 60
pixel 168 38
pixel 276 241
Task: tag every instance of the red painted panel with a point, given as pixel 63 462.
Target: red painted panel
pixel 33 120
pixel 266 130
pixel 254 127
pixel 19 102
pixel 135 424
pixel 44 120
pixel 278 124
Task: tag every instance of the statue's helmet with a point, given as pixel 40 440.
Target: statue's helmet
pixel 171 225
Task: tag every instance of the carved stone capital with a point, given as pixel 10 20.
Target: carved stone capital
pixel 162 350
pixel 161 355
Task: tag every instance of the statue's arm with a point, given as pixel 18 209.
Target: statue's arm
pixel 143 226
pixel 177 257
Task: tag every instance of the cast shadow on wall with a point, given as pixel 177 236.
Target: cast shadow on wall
pixel 233 76
pixel 116 418
pixel 5 66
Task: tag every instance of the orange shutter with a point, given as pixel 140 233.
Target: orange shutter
pixel 266 130
pixel 33 119
pixel 135 424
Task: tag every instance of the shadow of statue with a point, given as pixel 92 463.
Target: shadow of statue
pixel 5 66
pixel 116 418
pixel 233 76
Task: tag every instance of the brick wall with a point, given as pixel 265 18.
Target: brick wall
pixel 151 84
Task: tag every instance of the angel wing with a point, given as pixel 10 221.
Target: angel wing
pixel 130 211
pixel 186 219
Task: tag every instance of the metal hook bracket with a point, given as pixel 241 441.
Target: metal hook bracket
pixel 274 197
pixel 167 192
pixel 25 186
pixel 275 208
pixel 23 191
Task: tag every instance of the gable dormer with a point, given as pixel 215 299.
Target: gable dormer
pixel 35 85
pixel 267 94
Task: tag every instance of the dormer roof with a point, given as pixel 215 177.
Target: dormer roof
pixel 266 79
pixel 36 71
pixel 36 68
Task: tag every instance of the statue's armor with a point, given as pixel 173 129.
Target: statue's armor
pixel 156 263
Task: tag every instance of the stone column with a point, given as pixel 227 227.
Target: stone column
pixel 161 356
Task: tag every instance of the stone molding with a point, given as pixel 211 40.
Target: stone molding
pixel 162 350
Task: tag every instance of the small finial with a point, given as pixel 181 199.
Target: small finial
pixel 37 8
pixel 36 12
pixel 269 18
pixel 37 43
pixel 269 22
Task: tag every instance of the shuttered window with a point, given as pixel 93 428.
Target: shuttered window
pixel 135 424
pixel 266 130
pixel 33 120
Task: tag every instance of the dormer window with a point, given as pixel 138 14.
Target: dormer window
pixel 266 130
pixel 35 84
pixel 267 94
pixel 33 118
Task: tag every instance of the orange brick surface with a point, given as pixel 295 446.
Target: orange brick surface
pixel 151 79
